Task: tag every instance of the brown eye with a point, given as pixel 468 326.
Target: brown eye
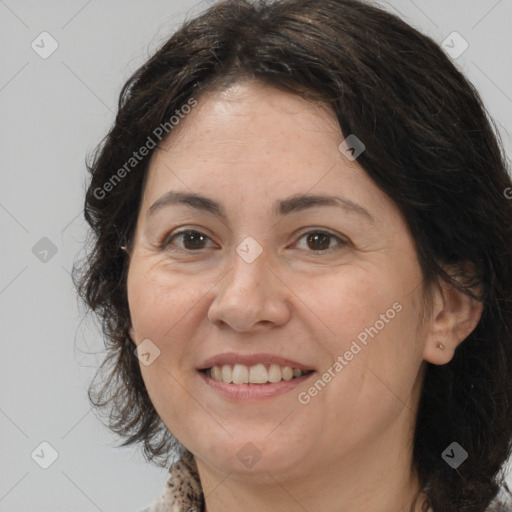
pixel 191 240
pixel 317 241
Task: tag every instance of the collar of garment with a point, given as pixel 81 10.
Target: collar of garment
pixel 183 491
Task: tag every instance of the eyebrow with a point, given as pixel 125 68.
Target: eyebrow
pixel 292 204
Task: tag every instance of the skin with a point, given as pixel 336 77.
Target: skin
pixel 350 447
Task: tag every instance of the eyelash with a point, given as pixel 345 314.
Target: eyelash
pixel 164 244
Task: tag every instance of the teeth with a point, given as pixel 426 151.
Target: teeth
pixel 287 372
pixel 226 373
pixel 216 373
pixel 240 374
pixel 258 374
pixel 274 373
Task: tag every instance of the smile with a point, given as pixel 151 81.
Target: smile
pixel 257 374
pixel 237 376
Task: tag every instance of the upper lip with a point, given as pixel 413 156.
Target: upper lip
pixel 250 360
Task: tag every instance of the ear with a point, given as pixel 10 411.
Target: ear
pixel 455 315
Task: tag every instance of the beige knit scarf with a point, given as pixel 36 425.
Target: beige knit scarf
pixel 183 491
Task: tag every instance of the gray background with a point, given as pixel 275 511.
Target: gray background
pixel 54 111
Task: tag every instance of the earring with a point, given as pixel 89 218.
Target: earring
pixel 439 345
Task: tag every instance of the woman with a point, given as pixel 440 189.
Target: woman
pixel 302 259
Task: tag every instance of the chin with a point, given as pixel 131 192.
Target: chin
pixel 250 455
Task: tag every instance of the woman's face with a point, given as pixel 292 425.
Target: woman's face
pixel 276 273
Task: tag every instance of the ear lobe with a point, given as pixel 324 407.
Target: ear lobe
pixel 436 352
pixel 455 317
pixel 131 332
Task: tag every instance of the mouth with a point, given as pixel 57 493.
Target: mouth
pixel 258 374
pixel 243 383
pixel 248 377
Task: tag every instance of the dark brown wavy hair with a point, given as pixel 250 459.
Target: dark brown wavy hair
pixel 430 146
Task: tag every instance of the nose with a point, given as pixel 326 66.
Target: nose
pixel 250 297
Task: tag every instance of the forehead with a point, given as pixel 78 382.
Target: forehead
pixel 253 140
pixel 249 116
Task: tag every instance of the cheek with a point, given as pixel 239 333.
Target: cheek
pixel 346 303
pixel 164 308
pixel 161 302
pixel 370 319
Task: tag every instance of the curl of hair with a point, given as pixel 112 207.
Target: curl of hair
pixel 430 146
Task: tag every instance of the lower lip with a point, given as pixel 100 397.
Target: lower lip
pixel 254 391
